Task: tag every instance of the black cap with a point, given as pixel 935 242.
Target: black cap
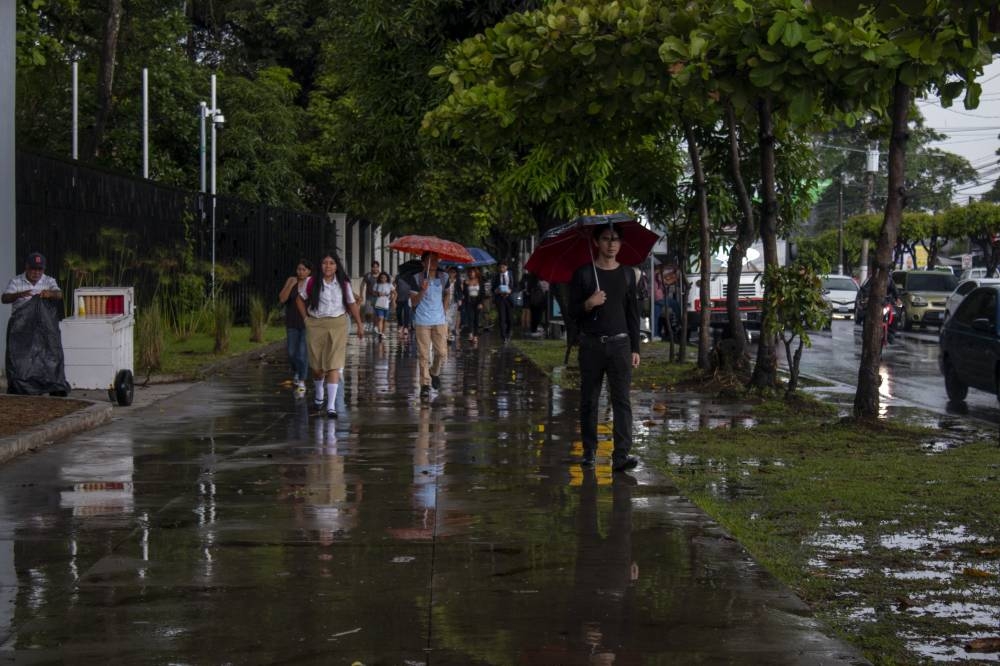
pixel 35 260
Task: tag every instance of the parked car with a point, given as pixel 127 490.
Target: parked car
pixel 969 347
pixel 924 294
pixel 840 292
pixel 975 272
pixel 962 290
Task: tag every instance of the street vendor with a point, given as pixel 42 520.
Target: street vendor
pixel 32 282
pixel 34 359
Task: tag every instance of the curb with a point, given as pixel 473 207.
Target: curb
pixel 48 433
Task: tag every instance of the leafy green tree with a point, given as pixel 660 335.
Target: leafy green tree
pixel 372 92
pixel 799 307
pixel 942 47
pixel 980 223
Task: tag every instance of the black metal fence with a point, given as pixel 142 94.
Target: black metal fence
pixel 99 228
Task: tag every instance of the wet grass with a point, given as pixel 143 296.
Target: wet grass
pixel 892 539
pixel 655 371
pixel 191 357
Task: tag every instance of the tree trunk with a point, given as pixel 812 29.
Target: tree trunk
pixel 705 295
pixel 744 238
pixel 106 74
pixel 765 372
pixel 866 399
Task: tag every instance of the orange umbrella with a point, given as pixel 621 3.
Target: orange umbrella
pixel 445 249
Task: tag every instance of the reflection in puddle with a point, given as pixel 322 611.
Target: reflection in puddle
pixel 938 539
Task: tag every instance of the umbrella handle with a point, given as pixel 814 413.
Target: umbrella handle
pixel 593 264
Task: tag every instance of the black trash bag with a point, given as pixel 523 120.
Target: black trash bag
pixel 34 350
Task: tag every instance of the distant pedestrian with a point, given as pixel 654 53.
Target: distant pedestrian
pixel 295 325
pixel 454 318
pixel 503 289
pixel 430 298
pixel 473 293
pixel 325 301
pixel 536 294
pixel 604 301
pixel 34 360
pixel 404 311
pixel 368 295
pixel 385 296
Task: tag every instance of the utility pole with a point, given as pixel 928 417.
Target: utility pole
pixel 871 168
pixel 840 226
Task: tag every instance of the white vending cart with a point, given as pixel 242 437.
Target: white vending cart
pixel 97 341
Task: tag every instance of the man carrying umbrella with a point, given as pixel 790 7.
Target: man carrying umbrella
pixel 603 300
pixel 430 297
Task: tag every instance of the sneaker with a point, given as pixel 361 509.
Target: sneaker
pixel 626 463
pixel 425 392
pixel 300 391
pixel 436 382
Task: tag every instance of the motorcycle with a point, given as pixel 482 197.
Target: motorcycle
pixel 890 317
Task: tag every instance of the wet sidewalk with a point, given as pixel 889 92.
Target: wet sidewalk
pixel 228 525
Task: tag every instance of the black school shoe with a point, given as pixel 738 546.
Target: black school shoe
pixel 626 463
pixel 436 382
pixel 425 392
pixel 331 413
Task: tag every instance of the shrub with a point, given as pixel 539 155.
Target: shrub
pixel 258 319
pixel 150 340
pixel 222 311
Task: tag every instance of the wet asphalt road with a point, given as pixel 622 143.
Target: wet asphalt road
pixel 228 525
pixel 910 374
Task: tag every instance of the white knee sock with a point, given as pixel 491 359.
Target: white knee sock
pixel 331 397
pixel 318 386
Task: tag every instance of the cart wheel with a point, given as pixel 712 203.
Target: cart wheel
pixel 124 387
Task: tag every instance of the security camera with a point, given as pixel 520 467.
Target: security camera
pixel 219 119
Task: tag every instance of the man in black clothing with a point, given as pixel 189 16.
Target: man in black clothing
pixel 503 287
pixel 603 301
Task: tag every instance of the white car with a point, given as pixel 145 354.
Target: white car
pixel 840 291
pixel 973 273
pixel 962 290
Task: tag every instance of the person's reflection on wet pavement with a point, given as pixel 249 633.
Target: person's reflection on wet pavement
pixel 604 575
pixel 331 503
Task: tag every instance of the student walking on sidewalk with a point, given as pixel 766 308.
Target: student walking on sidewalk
pixel 295 326
pixel 603 301
pixel 324 304
pixel 430 299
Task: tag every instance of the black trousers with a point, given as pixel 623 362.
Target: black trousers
pixel 614 360
pixel 505 315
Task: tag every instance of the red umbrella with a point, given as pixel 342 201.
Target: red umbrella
pixel 445 249
pixel 564 249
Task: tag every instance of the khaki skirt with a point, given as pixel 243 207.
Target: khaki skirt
pixel 326 338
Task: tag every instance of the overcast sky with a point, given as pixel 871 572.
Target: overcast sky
pixel 972 134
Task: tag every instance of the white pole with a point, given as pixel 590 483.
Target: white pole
pixel 202 113
pixel 8 211
pixel 145 123
pixel 76 110
pixel 214 108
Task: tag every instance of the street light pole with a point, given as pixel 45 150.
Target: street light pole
pixel 871 168
pixel 215 114
pixel 840 226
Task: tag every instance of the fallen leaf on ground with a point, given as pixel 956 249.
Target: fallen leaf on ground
pixel 984 645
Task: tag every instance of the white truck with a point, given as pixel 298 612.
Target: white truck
pixel 751 288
